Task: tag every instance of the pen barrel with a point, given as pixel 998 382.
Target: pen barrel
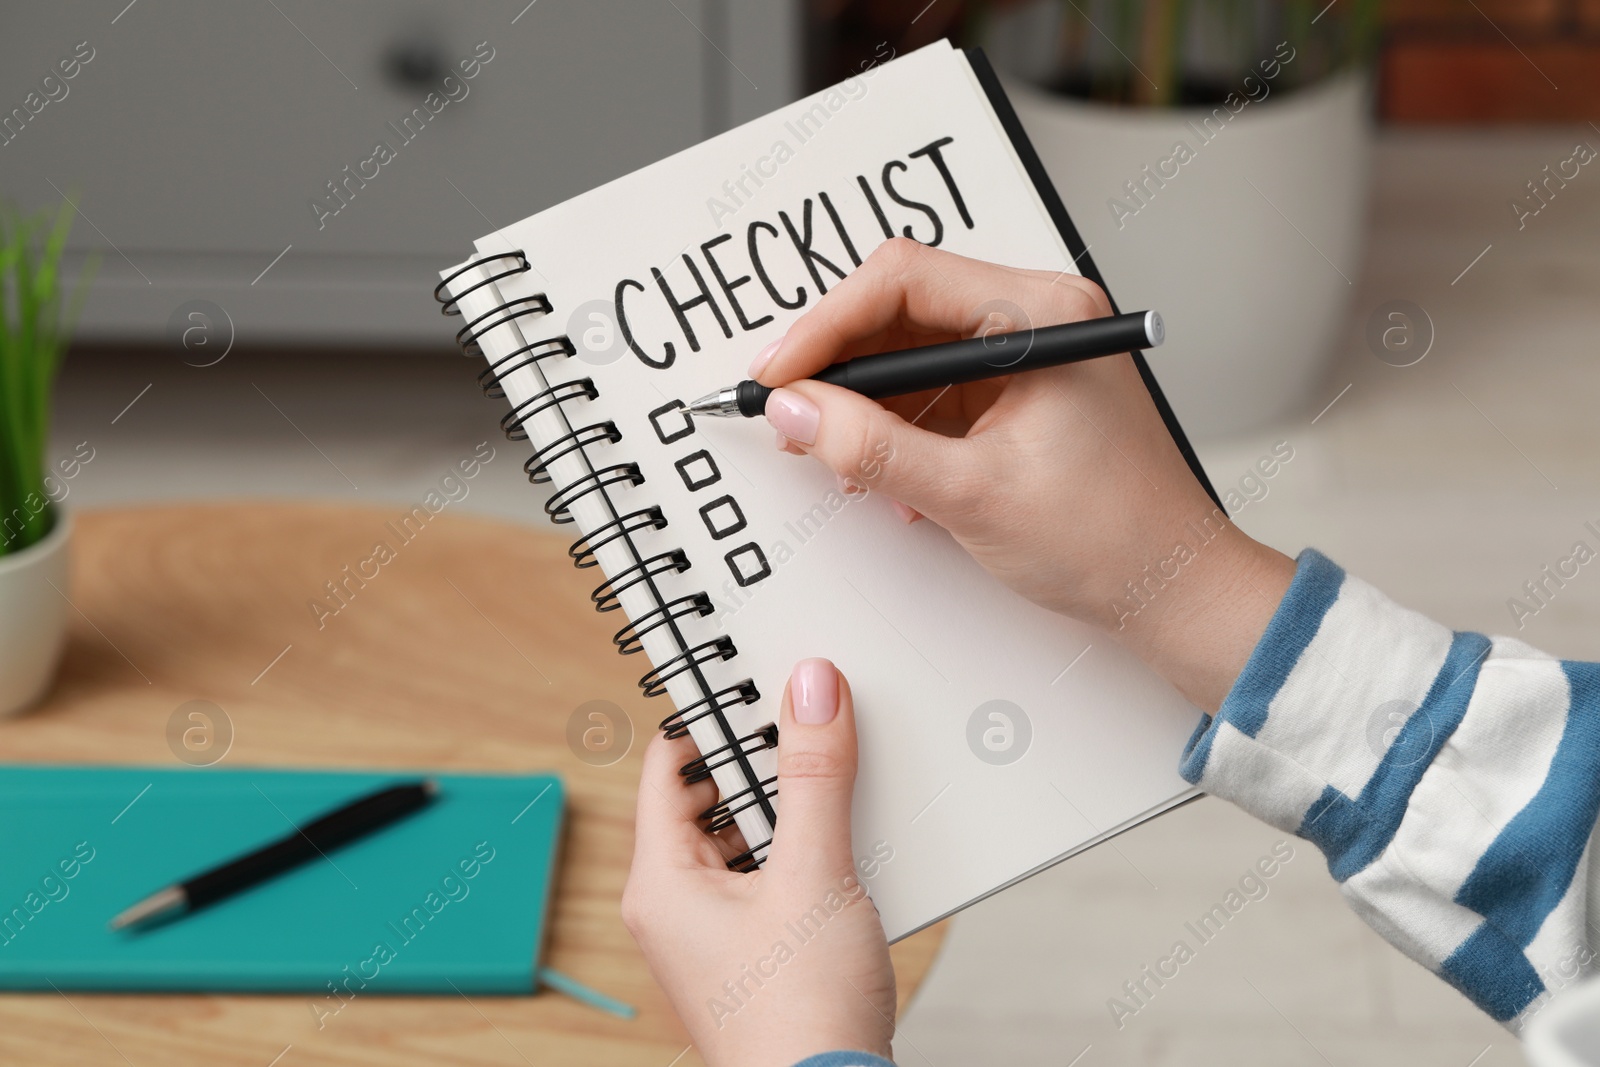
pixel 311 841
pixel 991 356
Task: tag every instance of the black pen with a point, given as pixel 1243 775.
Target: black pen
pixel 356 819
pixel 973 359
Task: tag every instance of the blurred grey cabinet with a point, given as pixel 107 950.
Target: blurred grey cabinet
pixel 199 138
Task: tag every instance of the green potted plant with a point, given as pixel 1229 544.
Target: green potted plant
pixel 34 530
pixel 1214 154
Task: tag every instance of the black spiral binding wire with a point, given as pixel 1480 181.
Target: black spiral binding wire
pixel 607 595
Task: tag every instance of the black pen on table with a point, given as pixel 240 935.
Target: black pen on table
pixel 973 359
pixel 359 818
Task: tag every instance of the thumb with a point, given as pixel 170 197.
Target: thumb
pixel 816 771
pixel 871 447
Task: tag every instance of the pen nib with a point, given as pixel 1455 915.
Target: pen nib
pixel 722 404
pixel 169 899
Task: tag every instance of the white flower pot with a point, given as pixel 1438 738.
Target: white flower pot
pixel 1249 250
pixel 33 616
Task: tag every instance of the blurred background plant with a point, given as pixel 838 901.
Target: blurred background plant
pixel 34 330
pixel 1139 52
pixel 1184 52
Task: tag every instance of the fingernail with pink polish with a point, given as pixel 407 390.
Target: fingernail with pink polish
pixel 814 692
pixel 905 513
pixel 793 416
pixel 764 357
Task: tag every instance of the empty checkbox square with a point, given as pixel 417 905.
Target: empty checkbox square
pixel 723 517
pixel 671 421
pixel 698 470
pixel 748 564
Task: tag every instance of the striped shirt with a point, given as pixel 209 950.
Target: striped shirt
pixel 1452 781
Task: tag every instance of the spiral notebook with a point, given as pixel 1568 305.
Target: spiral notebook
pixel 996 738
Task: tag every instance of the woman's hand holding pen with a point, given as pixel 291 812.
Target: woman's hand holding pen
pixel 1063 482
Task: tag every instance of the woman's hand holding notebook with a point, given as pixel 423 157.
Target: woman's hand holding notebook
pixel 787 962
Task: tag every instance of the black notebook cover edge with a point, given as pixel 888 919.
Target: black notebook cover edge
pixel 1012 126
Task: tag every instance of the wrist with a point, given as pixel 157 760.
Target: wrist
pixel 1196 616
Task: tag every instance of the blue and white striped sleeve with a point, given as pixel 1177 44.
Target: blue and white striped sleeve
pixel 1452 780
pixel 844 1059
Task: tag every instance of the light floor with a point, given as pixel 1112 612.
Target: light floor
pixel 1448 484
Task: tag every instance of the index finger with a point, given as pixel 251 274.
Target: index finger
pixel 908 288
pixel 667 832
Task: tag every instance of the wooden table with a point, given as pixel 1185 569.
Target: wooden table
pixel 469 649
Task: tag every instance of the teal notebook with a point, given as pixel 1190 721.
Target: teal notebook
pixel 452 898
